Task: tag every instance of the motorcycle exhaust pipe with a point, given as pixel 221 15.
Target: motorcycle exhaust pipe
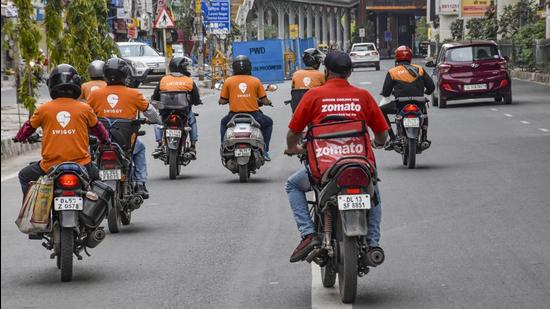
pixel 425 145
pixel 187 156
pixel 95 237
pixel 136 201
pixel 375 256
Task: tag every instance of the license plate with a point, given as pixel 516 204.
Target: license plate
pixel 173 133
pixel 354 202
pixel 411 122
pixel 475 87
pixel 68 203
pixel 114 174
pixel 244 152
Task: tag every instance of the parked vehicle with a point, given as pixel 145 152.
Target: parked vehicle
pixel 79 207
pixel 175 131
pixel 470 70
pixel 365 54
pixel 410 122
pixel 115 169
pixel 146 63
pixel 343 184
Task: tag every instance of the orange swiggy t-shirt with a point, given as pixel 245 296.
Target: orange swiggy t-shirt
pixel 176 83
pixel 306 79
pixel 65 124
pixel 243 92
pixel 91 86
pixel 117 102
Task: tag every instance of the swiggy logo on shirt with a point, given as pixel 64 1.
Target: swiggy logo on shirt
pixel 63 118
pixel 243 87
pixel 112 99
pixel 307 81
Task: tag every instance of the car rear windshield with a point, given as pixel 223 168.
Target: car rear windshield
pixel 137 51
pixel 363 48
pixel 472 53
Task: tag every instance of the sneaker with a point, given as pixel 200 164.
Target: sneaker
pixel 141 189
pixel 193 152
pixel 266 156
pixel 304 248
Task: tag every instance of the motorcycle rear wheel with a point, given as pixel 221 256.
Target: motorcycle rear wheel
pixel 173 162
pixel 411 162
pixel 243 173
pixel 405 154
pixel 347 264
pixel 113 218
pixel 66 253
pixel 126 217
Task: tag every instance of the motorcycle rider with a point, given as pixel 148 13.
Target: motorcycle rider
pixel 309 77
pixel 65 124
pixel 243 91
pixel 311 111
pixel 120 102
pixel 95 70
pixel 409 81
pixel 178 80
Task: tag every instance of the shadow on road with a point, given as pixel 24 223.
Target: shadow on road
pixel 459 104
pixel 50 278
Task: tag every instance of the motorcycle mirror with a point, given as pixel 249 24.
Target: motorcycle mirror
pixel 272 87
pixel 218 85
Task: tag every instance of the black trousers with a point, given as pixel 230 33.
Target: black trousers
pixel 33 171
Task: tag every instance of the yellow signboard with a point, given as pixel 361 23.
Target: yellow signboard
pixel 475 8
pixel 293 29
pixel 198 6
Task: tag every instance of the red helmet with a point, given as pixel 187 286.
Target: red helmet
pixel 403 53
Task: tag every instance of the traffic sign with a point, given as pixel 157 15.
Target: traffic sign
pixel 217 16
pixel 387 36
pixel 164 20
pixel 361 32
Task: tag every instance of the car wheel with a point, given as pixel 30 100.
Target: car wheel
pixel 434 100
pixel 508 97
pixel 442 101
pixel 498 99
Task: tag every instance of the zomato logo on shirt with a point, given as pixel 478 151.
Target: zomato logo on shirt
pixel 330 105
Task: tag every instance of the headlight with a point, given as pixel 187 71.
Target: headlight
pixel 139 64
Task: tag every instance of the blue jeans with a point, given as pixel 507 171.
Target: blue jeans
pixel 296 187
pixel 265 122
pixel 140 164
pixel 193 135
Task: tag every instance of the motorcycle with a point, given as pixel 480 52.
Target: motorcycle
pixel 116 169
pixel 411 123
pixel 343 181
pixel 79 207
pixel 296 96
pixel 243 147
pixel 175 131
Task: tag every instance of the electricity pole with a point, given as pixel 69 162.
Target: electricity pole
pixel 199 38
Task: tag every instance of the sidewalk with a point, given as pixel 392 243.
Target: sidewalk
pixel 543 78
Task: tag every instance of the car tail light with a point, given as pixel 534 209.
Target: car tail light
pixel 503 83
pixel 69 181
pixel 353 177
pixel 410 108
pixel 447 86
pixel 172 120
pixel 445 68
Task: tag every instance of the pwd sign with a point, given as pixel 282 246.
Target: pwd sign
pixel 266 57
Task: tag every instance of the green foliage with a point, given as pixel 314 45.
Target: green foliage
pixel 457 29
pixel 515 16
pixel 524 38
pixel 57 47
pixel 184 14
pixel 106 43
pixel 475 29
pixel 422 29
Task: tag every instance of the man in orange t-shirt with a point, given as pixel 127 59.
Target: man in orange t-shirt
pixel 242 92
pixel 307 78
pixel 65 123
pixel 120 102
pixel 95 70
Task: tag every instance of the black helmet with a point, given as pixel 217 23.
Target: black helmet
pixel 242 65
pixel 312 57
pixel 95 69
pixel 64 82
pixel 179 65
pixel 116 71
pixel 338 62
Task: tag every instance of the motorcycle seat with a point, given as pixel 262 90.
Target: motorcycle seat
pixel 243 118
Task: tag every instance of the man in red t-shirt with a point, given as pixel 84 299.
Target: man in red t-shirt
pixel 336 98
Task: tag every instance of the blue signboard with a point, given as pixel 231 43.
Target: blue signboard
pixel 387 36
pixel 217 16
pixel 266 57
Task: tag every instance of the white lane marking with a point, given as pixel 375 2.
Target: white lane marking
pixel 494 109
pixel 10 176
pixel 525 122
pixel 322 297
pixel 509 115
pixel 365 83
pixel 544 130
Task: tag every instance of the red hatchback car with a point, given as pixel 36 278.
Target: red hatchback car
pixel 470 70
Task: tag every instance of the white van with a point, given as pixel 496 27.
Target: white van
pixel 365 54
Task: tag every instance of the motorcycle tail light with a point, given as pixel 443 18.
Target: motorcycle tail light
pixel 447 86
pixel 108 155
pixel 503 83
pixel 352 191
pixel 353 177
pixel 172 120
pixel 68 193
pixel 241 135
pixel 68 181
pixel 243 146
pixel 410 108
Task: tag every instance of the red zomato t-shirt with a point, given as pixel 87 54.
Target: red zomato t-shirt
pixel 337 97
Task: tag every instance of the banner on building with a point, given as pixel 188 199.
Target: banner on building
pixel 266 57
pixel 449 7
pixel 475 8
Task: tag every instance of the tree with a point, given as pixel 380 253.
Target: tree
pixel 457 29
pixel 524 39
pixel 475 28
pixel 422 29
pixel 515 16
pixel 54 32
